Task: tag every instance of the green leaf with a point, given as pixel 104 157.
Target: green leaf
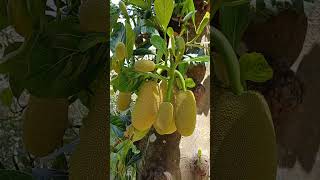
pixel 196 59
pixel 234 21
pixel 130 39
pixel 91 40
pixel 140 3
pixel 190 83
pixel 254 67
pixel 159 43
pixel 189 9
pixel 163 9
pixel 205 20
pixel 14 175
pixel 6 97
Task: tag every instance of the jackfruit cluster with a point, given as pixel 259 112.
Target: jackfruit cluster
pixel 44 125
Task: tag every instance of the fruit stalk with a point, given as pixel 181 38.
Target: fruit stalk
pixel 230 59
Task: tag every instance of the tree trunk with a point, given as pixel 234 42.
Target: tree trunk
pixel 161 158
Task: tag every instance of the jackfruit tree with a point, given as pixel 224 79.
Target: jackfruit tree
pixel 153 44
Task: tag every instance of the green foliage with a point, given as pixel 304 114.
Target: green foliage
pixel 6 97
pixel 163 10
pixel 254 67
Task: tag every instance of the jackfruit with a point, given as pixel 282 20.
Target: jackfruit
pixel 19 17
pixel 186 112
pixel 124 99
pixel 244 139
pixel 165 116
pixel 163 90
pixel 120 51
pixel 93 16
pixel 90 158
pixel 44 125
pixel 145 110
pixel 171 129
pixel 144 65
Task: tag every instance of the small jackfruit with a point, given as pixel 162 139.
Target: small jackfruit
pixel 19 17
pixel 144 65
pixel 145 110
pixel 120 51
pixel 44 125
pixel 244 137
pixel 185 112
pixel 90 158
pixel 165 115
pixel 93 16
pixel 123 101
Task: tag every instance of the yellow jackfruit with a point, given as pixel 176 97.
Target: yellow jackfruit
pixel 165 116
pixel 19 17
pixel 144 65
pixel 44 125
pixel 185 112
pixel 93 16
pixel 171 129
pixel 244 138
pixel 123 101
pixel 145 110
pixel 120 51
pixel 90 158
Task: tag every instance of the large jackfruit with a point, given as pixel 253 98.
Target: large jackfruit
pixel 185 112
pixel 90 158
pixel 124 99
pixel 44 125
pixel 93 16
pixel 145 110
pixel 19 17
pixel 244 145
pixel 166 123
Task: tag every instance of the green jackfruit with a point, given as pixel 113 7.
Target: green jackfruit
pixel 244 139
pixel 93 16
pixel 145 110
pixel 19 17
pixel 171 129
pixel 185 112
pixel 90 158
pixel 123 101
pixel 144 65
pixel 44 125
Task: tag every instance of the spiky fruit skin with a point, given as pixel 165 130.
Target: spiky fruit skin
pixel 123 101
pixel 144 65
pixel 93 16
pixel 145 110
pixel 90 158
pixel 244 138
pixel 165 116
pixel 186 112
pixel 44 125
pixel 120 51
pixel 19 17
